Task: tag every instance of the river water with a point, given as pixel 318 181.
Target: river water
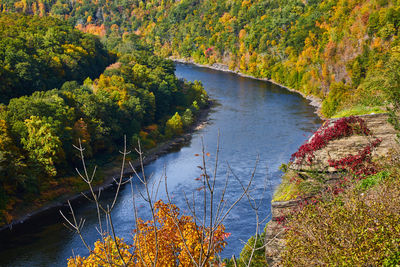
pixel 255 119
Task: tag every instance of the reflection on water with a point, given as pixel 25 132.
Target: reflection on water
pixel 255 119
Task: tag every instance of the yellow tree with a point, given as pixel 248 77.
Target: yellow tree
pixel 174 125
pixel 169 240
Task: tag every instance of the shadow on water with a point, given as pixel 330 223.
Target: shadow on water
pixel 255 119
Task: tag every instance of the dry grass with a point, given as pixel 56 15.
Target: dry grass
pixel 356 228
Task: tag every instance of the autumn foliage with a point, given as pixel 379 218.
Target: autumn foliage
pixel 172 239
pixel 87 103
pixel 360 164
pixel 349 217
pixel 342 127
pixel 354 228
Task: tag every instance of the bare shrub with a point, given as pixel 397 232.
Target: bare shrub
pixel 169 237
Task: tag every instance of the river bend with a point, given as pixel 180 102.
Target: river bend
pixel 254 118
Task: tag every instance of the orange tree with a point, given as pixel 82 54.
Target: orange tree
pixel 170 239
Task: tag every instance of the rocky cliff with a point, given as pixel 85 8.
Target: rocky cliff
pixel 337 149
pixel 376 127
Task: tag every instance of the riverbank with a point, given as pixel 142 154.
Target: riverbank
pixel 111 172
pixel 254 119
pixel 314 101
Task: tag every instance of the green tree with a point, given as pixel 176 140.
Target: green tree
pixel 333 100
pixel 174 126
pixel 258 257
pixel 356 73
pixel 388 80
pixel 43 146
pixel 187 118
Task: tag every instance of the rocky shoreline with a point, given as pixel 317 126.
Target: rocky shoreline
pixel 111 173
pixel 314 101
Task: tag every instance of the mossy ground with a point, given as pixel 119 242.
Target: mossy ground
pixel 359 110
pixel 287 190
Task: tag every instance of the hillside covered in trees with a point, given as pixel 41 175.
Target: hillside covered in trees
pixel 332 49
pixel 38 54
pixel 138 96
pixel 59 85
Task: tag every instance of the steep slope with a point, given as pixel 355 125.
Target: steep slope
pixel 328 48
pixel 336 194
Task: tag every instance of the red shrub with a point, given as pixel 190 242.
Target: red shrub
pixel 343 127
pixel 359 164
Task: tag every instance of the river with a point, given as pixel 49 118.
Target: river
pixel 255 119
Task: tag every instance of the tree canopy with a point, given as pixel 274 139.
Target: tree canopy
pixel 95 104
pixel 311 46
pixel 38 54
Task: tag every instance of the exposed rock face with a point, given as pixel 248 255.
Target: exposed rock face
pixel 275 233
pixel 336 149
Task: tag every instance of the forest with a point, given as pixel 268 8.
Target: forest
pixel 39 54
pixel 332 49
pixel 94 71
pixel 74 98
